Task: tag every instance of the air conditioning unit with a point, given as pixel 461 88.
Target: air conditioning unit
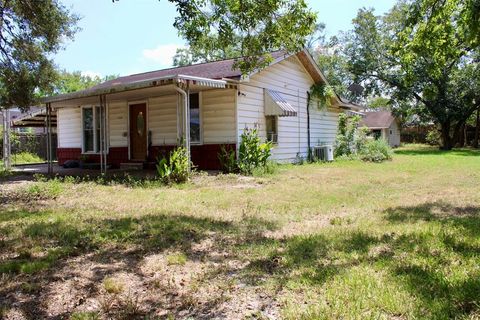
pixel 323 153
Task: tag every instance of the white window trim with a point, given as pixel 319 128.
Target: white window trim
pixel 91 106
pixel 200 115
pixel 276 127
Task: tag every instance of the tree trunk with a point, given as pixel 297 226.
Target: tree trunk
pixel 460 137
pixel 447 143
pixel 477 130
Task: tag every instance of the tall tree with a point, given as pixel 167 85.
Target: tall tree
pixel 68 82
pixel 30 31
pixel 423 52
pixel 251 28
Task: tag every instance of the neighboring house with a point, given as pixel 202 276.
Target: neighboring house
pixel 382 125
pixel 148 114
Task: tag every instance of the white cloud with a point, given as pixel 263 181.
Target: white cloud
pixel 163 54
pixel 91 74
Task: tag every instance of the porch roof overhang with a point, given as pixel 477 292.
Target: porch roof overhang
pixel 36 119
pixel 178 80
pixel 276 105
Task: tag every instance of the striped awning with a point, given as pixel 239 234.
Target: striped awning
pixel 276 105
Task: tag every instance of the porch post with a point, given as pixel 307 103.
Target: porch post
pixel 186 119
pixel 49 138
pixel 105 131
pixel 103 134
pixel 6 139
pixel 187 127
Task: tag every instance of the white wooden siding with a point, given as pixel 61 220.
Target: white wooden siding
pixel 394 138
pixel 218 116
pixel 290 78
pixel 118 123
pixel 69 127
pixel 162 119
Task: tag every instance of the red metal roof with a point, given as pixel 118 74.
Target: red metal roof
pixel 212 70
pixel 377 119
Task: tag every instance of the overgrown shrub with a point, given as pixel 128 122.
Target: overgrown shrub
pixel 252 154
pixel 433 137
pixel 376 151
pixel 174 169
pixel 228 159
pixel 346 142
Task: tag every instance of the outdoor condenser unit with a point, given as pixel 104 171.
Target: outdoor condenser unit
pixel 324 152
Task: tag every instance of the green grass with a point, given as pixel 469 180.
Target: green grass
pixel 24 158
pixel 351 240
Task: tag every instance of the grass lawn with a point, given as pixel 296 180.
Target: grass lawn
pixel 351 240
pixel 24 158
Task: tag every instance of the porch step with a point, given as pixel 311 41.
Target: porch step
pixel 131 166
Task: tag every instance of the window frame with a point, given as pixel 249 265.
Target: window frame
pixel 275 119
pixel 82 126
pixel 200 118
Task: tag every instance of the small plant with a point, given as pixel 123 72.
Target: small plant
pixel 176 259
pixel 113 286
pixel 376 151
pixel 228 159
pixel 174 169
pixel 252 153
pixel 433 137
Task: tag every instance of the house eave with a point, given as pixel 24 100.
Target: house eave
pixel 143 84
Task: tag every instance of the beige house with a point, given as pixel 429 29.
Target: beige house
pixel 383 125
pixel 137 118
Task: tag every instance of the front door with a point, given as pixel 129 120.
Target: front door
pixel 138 131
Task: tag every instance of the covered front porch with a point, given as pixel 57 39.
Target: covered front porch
pixel 115 125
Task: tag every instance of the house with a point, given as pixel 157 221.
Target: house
pixel 137 118
pixel 382 125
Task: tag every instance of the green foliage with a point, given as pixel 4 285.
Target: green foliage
pixel 376 151
pixel 175 168
pixel 346 142
pixel 249 29
pixel 68 82
pixel 252 154
pixel 424 56
pixel 322 94
pixel 30 33
pixel 433 137
pixel 228 159
pixel 26 157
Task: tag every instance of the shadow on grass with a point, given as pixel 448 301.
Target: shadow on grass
pixel 39 250
pixel 432 151
pixel 423 260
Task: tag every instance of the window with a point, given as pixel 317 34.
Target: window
pixel 91 118
pixel 271 125
pixel 195 118
pixel 377 134
pixel 391 132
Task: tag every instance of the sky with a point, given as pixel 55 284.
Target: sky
pixel 133 36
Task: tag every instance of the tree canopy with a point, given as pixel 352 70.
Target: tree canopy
pixel 30 31
pixel 424 54
pixel 68 82
pixel 249 29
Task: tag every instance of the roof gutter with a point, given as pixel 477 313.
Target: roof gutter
pixel 143 84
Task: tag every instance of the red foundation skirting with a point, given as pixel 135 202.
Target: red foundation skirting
pixel 204 157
